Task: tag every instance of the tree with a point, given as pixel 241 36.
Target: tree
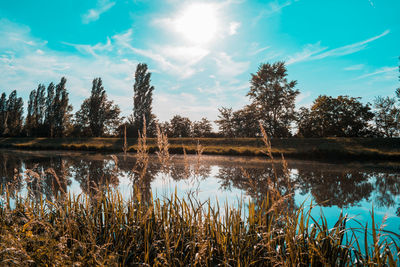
pixel 180 126
pixel 61 110
pixel 246 121
pixel 143 96
pixel 50 110
pixel 274 98
pixel 201 128
pixel 30 119
pixel 3 114
pixel 34 123
pixel 98 115
pixel 15 110
pixel 225 122
pixel 342 117
pixel 387 116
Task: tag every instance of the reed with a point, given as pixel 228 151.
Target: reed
pixel 110 231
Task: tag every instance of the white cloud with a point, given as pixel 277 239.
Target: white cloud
pixel 189 55
pixel 354 67
pixel 315 51
pixel 95 13
pixel 227 68
pixel 308 52
pixel 24 66
pixel 167 105
pixel 233 27
pixel 388 73
pixel 256 49
pixel 180 61
pixel 92 49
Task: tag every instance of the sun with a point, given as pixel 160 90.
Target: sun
pixel 198 23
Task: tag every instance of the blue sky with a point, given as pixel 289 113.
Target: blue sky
pixel 200 53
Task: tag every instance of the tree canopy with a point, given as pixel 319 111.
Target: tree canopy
pixel 343 116
pixel 273 98
pixel 97 114
pixel 143 96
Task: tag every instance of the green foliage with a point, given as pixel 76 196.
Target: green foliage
pixel 97 116
pixel 387 116
pixel 225 122
pixel 143 96
pixel 273 98
pixel 180 126
pixel 201 128
pixel 62 109
pixel 13 119
pixel 342 117
pixel 246 121
pixel 3 114
pixel 34 123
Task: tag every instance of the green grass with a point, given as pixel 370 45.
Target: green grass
pixel 308 148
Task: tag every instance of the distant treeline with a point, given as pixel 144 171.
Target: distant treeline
pixel 49 113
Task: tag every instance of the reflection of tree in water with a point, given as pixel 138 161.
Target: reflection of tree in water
pixel 387 188
pixel 180 171
pixel 141 179
pixel 95 175
pixel 259 182
pixel 11 178
pixel 49 176
pixel 342 188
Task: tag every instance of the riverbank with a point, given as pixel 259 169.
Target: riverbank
pixel 303 148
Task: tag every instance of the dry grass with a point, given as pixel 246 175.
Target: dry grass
pixel 311 148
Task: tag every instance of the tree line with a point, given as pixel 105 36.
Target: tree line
pixel 272 95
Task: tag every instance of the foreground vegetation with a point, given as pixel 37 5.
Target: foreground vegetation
pixel 105 230
pixel 305 148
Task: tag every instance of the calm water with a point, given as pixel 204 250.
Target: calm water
pixel 352 188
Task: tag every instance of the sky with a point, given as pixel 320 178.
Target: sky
pixel 201 53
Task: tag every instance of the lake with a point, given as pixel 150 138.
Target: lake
pixel 352 188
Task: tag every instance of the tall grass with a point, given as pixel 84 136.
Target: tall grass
pixel 105 230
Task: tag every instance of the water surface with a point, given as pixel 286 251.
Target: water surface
pixel 352 188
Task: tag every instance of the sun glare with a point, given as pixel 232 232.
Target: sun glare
pixel 198 23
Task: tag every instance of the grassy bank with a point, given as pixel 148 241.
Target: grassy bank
pixel 308 148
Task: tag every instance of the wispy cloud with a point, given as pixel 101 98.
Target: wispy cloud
pixel 273 7
pixel 255 49
pixel 95 13
pixel 388 72
pixel 92 49
pixel 316 51
pixel 354 67
pixel 177 60
pixel 227 68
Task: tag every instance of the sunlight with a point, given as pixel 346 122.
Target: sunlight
pixel 198 23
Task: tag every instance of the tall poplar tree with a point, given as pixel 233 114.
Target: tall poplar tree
pixel 98 115
pixel 15 110
pixel 3 114
pixel 62 109
pixel 143 96
pixel 49 113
